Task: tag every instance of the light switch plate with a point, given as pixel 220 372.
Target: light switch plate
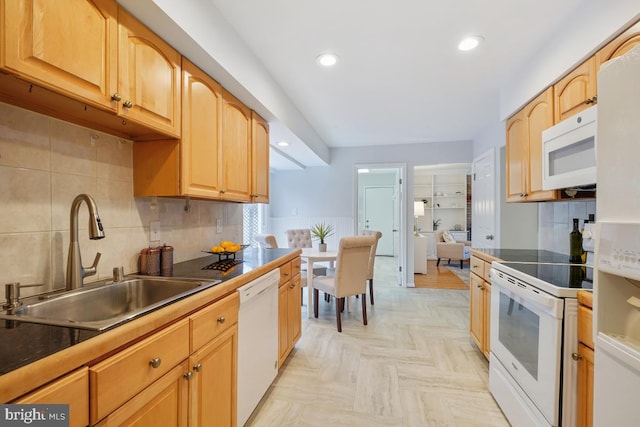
pixel 154 231
pixel 218 225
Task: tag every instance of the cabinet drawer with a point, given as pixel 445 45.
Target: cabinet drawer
pixel 116 379
pixel 285 273
pixel 487 271
pixel 477 266
pixel 212 320
pixel 585 322
pixel 295 266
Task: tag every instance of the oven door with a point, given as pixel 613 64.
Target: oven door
pixel 526 336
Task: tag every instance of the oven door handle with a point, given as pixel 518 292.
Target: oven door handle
pixel 549 303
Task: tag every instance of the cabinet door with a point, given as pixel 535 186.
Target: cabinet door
pixel 201 132
pixel 294 312
pixel 476 308
pixel 517 154
pixel 43 40
pixel 585 386
pixel 148 76
pixel 73 389
pixel 486 320
pixel 619 46
pixel 539 116
pixel 283 323
pixel 575 92
pixel 236 150
pixel 163 403
pixel 259 159
pixel 213 387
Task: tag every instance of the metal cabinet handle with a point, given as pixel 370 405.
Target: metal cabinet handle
pixel 116 97
pixel 291 286
pixel 155 362
pixel 480 286
pixel 187 376
pixel 197 367
pixel 576 356
pixel 221 319
pixel 475 266
pixel 127 104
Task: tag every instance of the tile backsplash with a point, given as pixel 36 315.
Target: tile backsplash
pixel 555 222
pixel 45 163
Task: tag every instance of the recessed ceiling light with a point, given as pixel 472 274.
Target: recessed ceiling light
pixel 327 59
pixel 469 43
pixel 283 144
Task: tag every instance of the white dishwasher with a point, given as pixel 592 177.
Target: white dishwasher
pixel 257 341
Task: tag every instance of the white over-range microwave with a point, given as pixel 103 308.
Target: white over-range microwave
pixel 569 151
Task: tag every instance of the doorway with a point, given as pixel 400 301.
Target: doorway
pixel 379 206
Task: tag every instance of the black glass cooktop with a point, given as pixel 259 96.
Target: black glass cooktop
pixel 578 276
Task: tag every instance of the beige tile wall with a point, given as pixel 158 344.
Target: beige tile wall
pixel 45 163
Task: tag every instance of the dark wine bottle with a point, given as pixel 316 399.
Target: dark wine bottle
pixel 575 243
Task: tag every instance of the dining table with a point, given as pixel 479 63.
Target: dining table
pixel 312 255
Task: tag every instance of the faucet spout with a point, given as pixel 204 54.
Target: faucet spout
pixel 75 271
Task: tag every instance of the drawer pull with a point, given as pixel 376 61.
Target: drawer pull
pixel 188 375
pixel 221 319
pixel 155 362
pixel 291 286
pixel 475 266
pixel 576 356
pixel 197 367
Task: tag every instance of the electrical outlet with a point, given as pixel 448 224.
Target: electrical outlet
pixel 218 225
pixel 154 231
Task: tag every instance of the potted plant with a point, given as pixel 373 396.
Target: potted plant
pixel 322 231
pixel 436 223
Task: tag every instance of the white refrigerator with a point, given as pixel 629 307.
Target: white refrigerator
pixel 617 256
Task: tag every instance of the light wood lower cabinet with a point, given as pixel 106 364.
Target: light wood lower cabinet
pixel 584 358
pixel 72 389
pixel 480 304
pixel 289 309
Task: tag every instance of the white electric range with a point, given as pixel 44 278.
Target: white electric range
pixel 533 334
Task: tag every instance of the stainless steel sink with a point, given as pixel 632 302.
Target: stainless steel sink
pixel 100 306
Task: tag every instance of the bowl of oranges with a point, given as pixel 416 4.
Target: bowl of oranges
pixel 226 249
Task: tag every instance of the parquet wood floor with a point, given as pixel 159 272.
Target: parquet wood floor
pixel 413 365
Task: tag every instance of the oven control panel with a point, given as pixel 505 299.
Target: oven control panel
pixel 619 249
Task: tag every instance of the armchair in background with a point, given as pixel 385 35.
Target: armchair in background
pixel 448 248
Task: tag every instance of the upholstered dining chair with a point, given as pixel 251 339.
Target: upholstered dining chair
pixel 372 258
pixel 266 241
pixel 447 247
pixel 350 278
pixel 299 238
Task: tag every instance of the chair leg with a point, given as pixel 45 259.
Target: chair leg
pixel 449 262
pixel 342 304
pixel 460 264
pixel 338 307
pixel 364 307
pixel 438 263
pixel 315 303
pixel 371 290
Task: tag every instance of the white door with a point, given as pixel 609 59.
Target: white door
pixel 379 215
pixel 484 201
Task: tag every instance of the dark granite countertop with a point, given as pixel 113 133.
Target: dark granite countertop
pixel 24 343
pixel 525 255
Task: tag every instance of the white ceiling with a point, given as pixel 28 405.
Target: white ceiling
pixel 400 78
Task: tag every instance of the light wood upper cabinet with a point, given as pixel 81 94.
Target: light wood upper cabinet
pixel 524 150
pixel 576 91
pixel 259 159
pixel 235 173
pixel 149 77
pixel 620 45
pixel 69 46
pixel 201 133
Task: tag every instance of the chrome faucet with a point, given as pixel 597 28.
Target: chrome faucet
pixel 75 271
